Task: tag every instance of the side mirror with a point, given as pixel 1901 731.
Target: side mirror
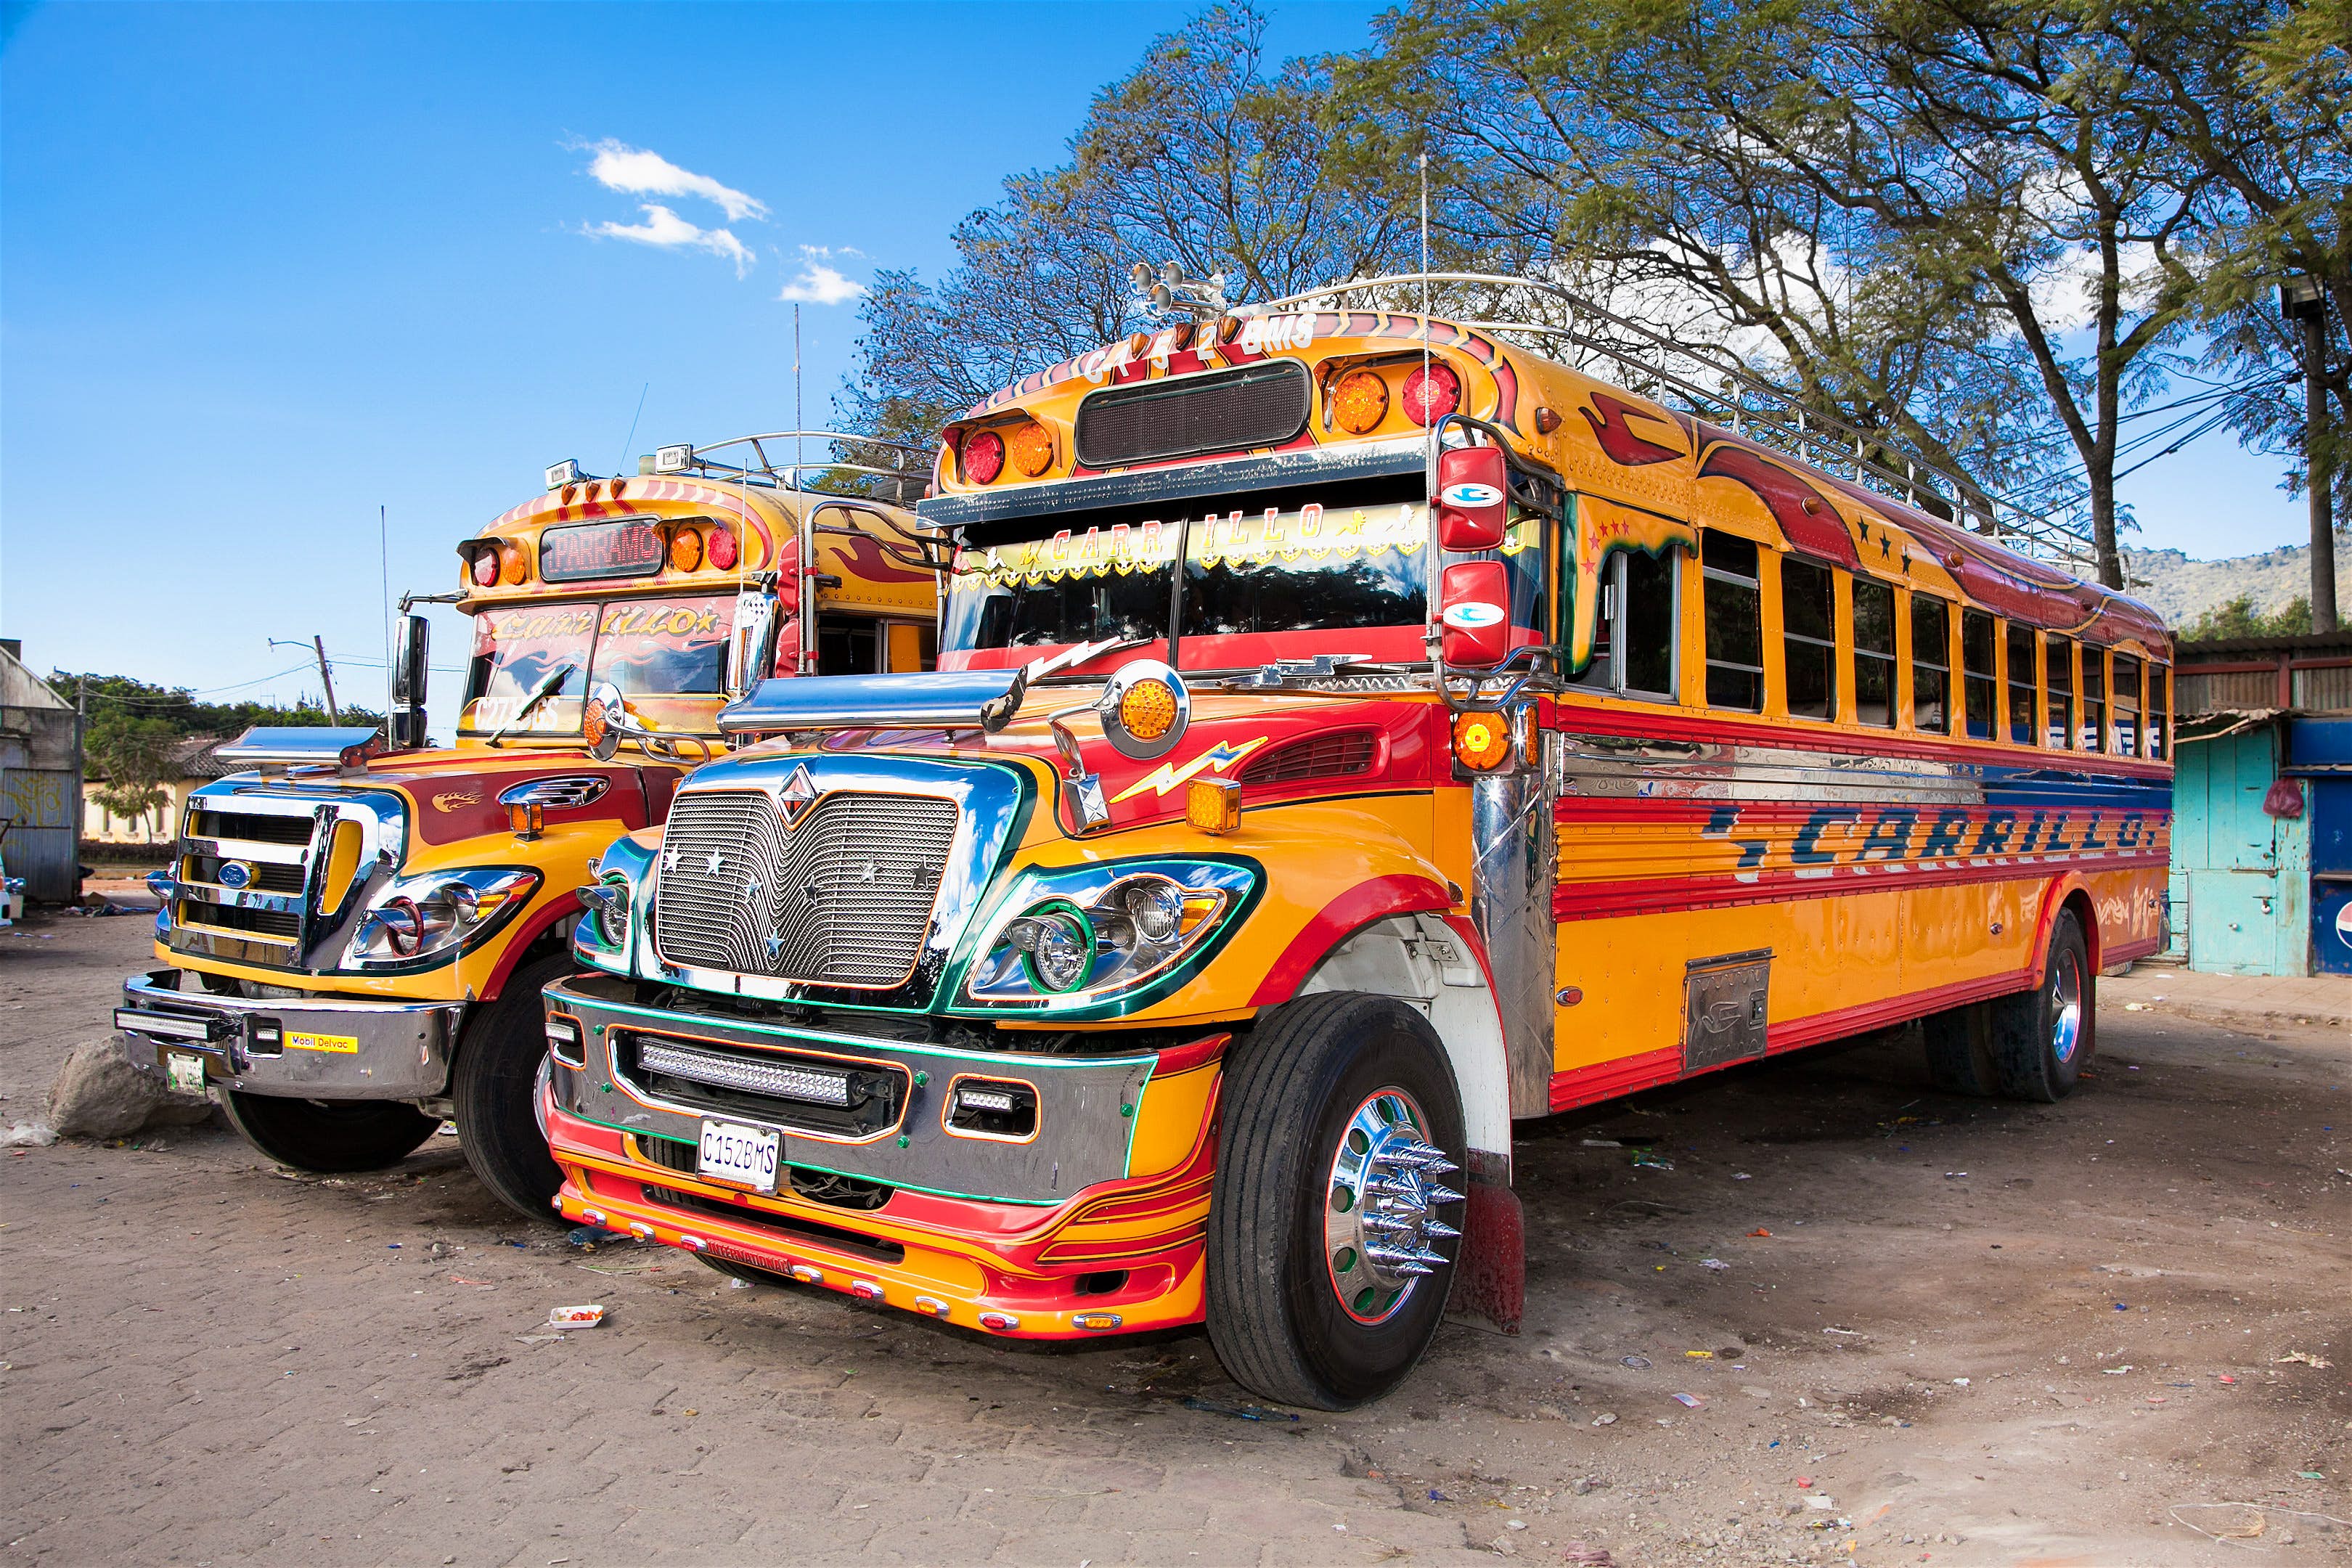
pixel 1474 489
pixel 1474 615
pixel 752 653
pixel 410 660
pixel 605 721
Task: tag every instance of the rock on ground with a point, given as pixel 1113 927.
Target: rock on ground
pixel 99 1095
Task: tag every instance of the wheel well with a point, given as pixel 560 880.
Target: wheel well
pixel 1422 961
pixel 2086 917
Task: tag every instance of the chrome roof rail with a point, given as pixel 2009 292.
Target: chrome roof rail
pixel 778 457
pixel 1740 400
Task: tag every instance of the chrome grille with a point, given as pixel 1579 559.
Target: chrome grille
pixel 844 898
pixel 276 848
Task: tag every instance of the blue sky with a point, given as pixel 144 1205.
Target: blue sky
pixel 265 267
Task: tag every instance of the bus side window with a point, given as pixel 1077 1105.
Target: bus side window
pixel 2127 702
pixel 1874 653
pixel 1931 665
pixel 1808 638
pixel 2023 699
pixel 1734 606
pixel 1978 683
pixel 2159 711
pixel 1634 632
pixel 2061 722
pixel 1649 623
pixel 2094 699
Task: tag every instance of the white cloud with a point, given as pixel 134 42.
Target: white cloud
pixel 620 167
pixel 819 284
pixel 664 230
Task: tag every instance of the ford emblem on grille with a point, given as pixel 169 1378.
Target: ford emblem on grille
pixel 234 874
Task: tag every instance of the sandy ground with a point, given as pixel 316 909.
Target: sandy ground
pixel 1915 1329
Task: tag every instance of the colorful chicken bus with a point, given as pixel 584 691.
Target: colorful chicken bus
pixel 353 937
pixel 1353 733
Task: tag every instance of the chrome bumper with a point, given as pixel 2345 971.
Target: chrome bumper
pixel 306 1048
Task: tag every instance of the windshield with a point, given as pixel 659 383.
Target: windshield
pixel 1259 584
pixel 667 656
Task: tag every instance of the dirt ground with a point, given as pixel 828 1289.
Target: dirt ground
pixel 1912 1329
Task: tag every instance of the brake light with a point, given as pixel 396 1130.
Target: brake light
pixel 486 567
pixel 720 548
pixel 1359 401
pixel 1032 449
pixel 983 457
pixel 514 564
pixel 1432 392
pixel 685 549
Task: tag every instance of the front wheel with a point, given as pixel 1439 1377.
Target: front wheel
pixel 496 1093
pixel 329 1136
pixel 1329 1256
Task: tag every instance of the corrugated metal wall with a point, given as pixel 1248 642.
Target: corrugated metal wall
pixel 41 787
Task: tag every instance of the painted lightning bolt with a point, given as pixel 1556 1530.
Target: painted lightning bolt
pixel 1167 775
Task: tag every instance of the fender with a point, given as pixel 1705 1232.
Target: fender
pixel 527 932
pixel 2054 896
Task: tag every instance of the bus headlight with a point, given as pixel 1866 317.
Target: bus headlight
pixel 418 920
pixel 1109 936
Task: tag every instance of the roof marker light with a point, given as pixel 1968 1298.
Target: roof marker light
pixel 983 457
pixel 1031 448
pixel 720 548
pixel 566 472
pixel 1432 393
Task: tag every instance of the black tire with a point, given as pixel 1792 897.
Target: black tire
pixel 495 1092
pixel 2043 1038
pixel 1959 1050
pixel 1275 1312
pixel 330 1136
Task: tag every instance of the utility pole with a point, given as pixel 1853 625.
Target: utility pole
pixel 327 677
pixel 2301 299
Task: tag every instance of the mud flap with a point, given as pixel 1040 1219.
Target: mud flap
pixel 1491 1279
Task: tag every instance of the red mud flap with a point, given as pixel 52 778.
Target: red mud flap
pixel 1490 1280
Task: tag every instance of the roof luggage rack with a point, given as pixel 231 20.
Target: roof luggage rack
pixel 893 470
pixel 1746 404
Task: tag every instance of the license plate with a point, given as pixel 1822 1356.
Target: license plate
pixel 747 1156
pixel 186 1072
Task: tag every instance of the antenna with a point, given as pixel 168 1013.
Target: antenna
pixel 384 564
pixel 804 595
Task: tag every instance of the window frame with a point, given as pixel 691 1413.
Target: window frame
pixel 2058 660
pixel 1989 676
pixel 1943 667
pixel 2023 729
pixel 1614 615
pixel 1753 586
pixel 1827 646
pixel 1892 658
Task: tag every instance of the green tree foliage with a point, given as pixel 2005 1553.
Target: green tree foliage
pixel 177 708
pixel 1207 154
pixel 1935 217
pixel 137 758
pixel 2239 618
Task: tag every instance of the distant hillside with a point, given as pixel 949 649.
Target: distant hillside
pixel 2181 589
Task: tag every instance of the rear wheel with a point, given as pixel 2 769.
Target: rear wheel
pixel 496 1093
pixel 330 1136
pixel 2043 1038
pixel 1328 1262
pixel 1959 1049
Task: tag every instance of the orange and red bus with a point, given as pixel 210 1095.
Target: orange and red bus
pixel 1353 731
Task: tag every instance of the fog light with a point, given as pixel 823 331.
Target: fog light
pixel 563 1040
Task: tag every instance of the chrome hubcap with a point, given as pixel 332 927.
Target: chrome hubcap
pixel 1381 1204
pixel 2066 1009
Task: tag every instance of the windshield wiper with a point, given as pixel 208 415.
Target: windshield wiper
pixel 549 685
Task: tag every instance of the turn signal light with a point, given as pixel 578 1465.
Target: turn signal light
pixel 1032 449
pixel 1147 709
pixel 1359 401
pixel 593 725
pixel 514 564
pixel 685 550
pixel 721 548
pixel 983 457
pixel 529 819
pixel 1482 741
pixel 1213 805
pixel 1430 393
pixel 486 567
